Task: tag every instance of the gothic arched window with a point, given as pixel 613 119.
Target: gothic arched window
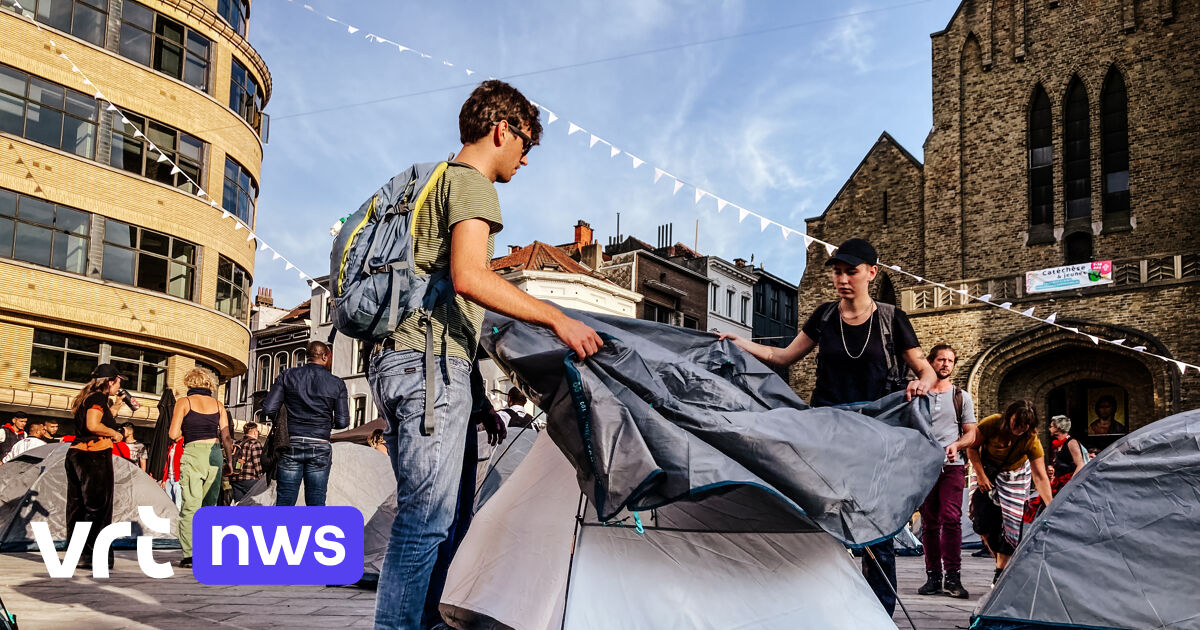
pixel 1041 160
pixel 1077 153
pixel 1114 144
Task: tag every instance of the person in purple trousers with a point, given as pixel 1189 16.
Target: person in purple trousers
pixel 953 414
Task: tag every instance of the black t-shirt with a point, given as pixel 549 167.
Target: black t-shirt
pixel 842 379
pixel 97 399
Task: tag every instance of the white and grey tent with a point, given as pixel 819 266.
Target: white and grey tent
pixel 361 477
pixel 33 487
pixel 1116 549
pixel 504 459
pixel 537 557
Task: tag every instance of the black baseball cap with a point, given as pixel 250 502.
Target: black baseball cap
pixel 854 252
pixel 106 370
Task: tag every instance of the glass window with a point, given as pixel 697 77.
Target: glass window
pixel 245 97
pixel 236 12
pixel 1041 161
pixel 745 309
pixel 1114 143
pixel 159 42
pixel 299 357
pixel 360 410
pixel 133 154
pixel 233 289
pixel 1077 153
pixel 82 18
pixel 61 357
pixel 239 193
pixel 48 113
pixel 729 303
pixel 39 232
pixel 281 364
pixel 264 373
pixel 146 369
pixel 148 260
pixel 362 357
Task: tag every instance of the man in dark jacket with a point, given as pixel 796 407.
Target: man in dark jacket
pixel 316 404
pixel 12 432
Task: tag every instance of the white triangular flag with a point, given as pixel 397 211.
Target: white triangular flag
pixel 175 170
pixel 551 117
pixel 250 237
pixel 447 63
pixel 74 68
pixel 1182 367
pixel 274 255
pixel 896 267
pixel 303 276
pixel 161 157
pixel 614 152
pixel 1139 348
pixel 469 73
pixel 424 56
pixel 1051 319
pixel 125 120
pixel 658 173
pixel 572 128
pixel 1095 339
pixel 87 81
pixel 1074 330
pixel 100 96
pixel 1006 305
pixel 225 214
pixel 1028 312
pixel 636 161
pixel 742 213
pixel 112 108
pixel 593 141
pixel 808 241
pixel 985 297
pixel 264 247
pixel 700 195
pixel 200 192
pixel 829 249
pixel 721 203
pixel 678 185
pixel 402 47
pixel 237 225
pixel 214 204
pixel 918 278
pixel 1118 342
pixel 351 29
pixel 786 232
pixel 289 267
pixel 763 222
pixel 137 133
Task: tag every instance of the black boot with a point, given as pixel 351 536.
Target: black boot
pixel 933 585
pixel 954 587
pixel 996 576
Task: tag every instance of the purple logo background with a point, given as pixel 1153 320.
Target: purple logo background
pixel 280 545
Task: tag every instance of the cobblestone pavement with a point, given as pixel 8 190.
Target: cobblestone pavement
pixel 128 599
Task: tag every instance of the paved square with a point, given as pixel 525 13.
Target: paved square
pixel 131 600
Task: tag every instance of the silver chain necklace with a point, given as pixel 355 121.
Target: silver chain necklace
pixel 842 329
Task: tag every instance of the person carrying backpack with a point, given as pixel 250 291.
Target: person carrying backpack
pixel 514 412
pixel 953 413
pixel 420 368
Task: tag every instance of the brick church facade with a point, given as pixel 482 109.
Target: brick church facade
pixel 1064 131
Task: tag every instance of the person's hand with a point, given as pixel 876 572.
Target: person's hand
pixel 226 470
pixel 951 452
pixel 730 336
pixel 578 336
pixel 493 423
pixel 984 483
pixel 915 388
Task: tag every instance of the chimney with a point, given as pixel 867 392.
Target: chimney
pixel 740 262
pixel 264 297
pixel 583 233
pixel 512 249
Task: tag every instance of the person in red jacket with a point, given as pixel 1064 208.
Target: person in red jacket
pixel 170 473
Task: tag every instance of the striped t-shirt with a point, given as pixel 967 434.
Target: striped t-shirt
pixel 463 193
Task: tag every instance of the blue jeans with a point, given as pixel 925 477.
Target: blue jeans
pixel 428 469
pixel 885 553
pixel 308 461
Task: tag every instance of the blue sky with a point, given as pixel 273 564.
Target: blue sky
pixel 774 121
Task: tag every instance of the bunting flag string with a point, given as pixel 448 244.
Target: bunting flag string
pixel 163 157
pixel 765 222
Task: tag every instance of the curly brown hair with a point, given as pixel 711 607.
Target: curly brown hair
pixel 491 102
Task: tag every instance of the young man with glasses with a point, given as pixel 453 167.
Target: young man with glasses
pixel 455 230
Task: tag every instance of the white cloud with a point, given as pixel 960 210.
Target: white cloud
pixel 850 42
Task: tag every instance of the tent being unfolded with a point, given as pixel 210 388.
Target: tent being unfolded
pixel 361 477
pixel 33 487
pixel 1117 546
pixel 537 557
pixel 504 459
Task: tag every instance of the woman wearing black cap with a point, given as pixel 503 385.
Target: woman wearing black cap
pixel 89 460
pixel 866 351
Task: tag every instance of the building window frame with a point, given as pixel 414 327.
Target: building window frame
pixel 264 376
pixel 67 234
pixel 1077 153
pixel 240 191
pixel 299 357
pixel 133 362
pixel 359 410
pixel 233 288
pixel 72 20
pixel 73 357
pixel 178 255
pixel 72 109
pixel 246 96
pixel 1114 149
pixel 1041 160
pixel 180 162
pixel 280 361
pixel 236 13
pixel 164 45
pixel 745 308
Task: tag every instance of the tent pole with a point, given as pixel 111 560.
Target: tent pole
pixel 571 562
pixel 892 588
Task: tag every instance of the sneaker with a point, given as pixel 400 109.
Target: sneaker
pixel 954 587
pixel 933 585
pixel 186 563
pixel 996 576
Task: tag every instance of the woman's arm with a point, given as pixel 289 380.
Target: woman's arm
pixel 1041 480
pixel 926 377
pixel 981 479
pixel 223 431
pixel 181 409
pixel 798 349
pixel 1076 454
pixel 95 423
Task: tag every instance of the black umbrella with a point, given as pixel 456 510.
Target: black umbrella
pixel 161 441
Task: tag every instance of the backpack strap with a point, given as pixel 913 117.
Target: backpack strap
pixel 426 320
pixel 958 408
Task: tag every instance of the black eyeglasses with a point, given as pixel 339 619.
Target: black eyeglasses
pixel 526 142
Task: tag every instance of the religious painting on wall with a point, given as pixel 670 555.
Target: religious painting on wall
pixel 1107 411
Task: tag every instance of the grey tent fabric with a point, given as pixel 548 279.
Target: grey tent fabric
pixel 665 414
pixel 33 487
pixel 1117 546
pixel 359 476
pixel 503 461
